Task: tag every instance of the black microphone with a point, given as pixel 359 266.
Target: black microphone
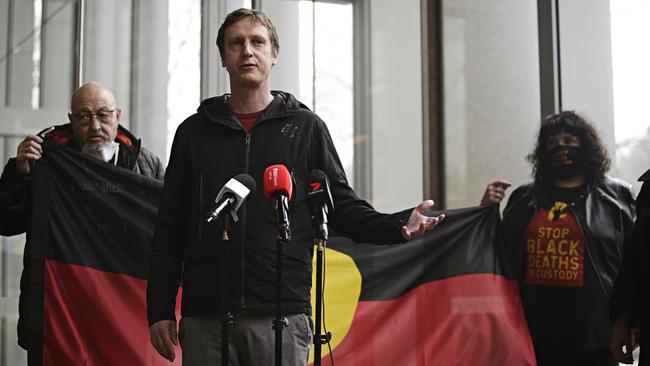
pixel 233 194
pixel 319 199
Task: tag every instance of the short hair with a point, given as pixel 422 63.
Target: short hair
pixel 597 162
pixel 254 15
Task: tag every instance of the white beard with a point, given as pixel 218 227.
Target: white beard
pixel 106 152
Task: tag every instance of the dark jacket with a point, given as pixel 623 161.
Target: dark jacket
pixel 209 148
pixel 606 218
pixel 631 288
pixel 15 193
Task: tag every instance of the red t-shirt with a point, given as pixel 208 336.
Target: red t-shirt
pixel 248 119
pixel 555 248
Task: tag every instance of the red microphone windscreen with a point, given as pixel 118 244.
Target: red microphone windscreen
pixel 277 179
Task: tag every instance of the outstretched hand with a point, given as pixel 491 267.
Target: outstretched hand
pixel 418 224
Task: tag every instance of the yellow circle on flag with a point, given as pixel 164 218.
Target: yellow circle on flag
pixel 341 296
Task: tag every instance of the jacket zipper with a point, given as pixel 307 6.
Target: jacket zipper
pixel 200 226
pixel 242 300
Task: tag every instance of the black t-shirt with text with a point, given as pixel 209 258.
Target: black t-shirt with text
pixel 563 299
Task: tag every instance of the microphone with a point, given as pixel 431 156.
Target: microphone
pixel 319 199
pixel 277 189
pixel 232 194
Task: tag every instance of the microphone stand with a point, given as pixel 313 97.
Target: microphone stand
pixel 229 217
pixel 284 235
pixel 319 338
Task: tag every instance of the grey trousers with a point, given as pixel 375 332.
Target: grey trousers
pixel 251 340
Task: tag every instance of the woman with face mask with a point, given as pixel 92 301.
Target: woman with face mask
pixel 564 238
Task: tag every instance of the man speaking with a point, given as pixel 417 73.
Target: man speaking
pixel 245 132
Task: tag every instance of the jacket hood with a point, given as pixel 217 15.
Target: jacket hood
pixel 645 176
pixel 216 109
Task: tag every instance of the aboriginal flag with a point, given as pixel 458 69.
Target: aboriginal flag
pixel 89 240
pixel 442 299
pixel 438 300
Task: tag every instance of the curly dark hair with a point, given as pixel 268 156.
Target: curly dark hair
pixel 597 161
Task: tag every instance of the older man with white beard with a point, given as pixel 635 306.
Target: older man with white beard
pixel 95 130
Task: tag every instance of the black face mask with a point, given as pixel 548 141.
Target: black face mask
pixel 566 161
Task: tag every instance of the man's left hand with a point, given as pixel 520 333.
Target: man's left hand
pixel 418 224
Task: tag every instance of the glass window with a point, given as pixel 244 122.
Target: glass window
pixel 325 61
pixel 630 59
pixel 184 66
pixel 36 81
pixel 492 98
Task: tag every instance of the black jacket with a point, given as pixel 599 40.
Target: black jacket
pixel 606 218
pixel 15 197
pixel 631 288
pixel 209 148
pixel 559 317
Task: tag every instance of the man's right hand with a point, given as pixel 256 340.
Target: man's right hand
pixel 164 337
pixel 495 192
pixel 29 150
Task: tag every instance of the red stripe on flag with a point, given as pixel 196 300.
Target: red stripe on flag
pixel 96 318
pixel 463 320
